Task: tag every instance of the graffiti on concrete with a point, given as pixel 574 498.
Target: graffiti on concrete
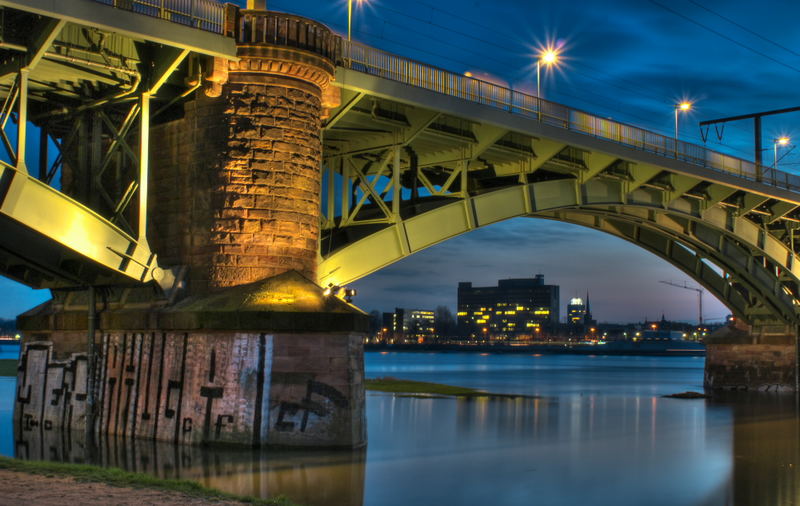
pixel 185 388
pixel 307 405
pixel 172 387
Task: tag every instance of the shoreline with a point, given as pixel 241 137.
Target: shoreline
pixel 51 482
pixel 543 349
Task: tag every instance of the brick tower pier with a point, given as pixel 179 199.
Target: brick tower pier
pixel 246 348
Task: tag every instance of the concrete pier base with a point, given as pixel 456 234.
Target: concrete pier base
pixel 272 363
pixel 741 357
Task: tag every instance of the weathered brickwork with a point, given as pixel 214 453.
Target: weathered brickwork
pixel 760 367
pixel 238 182
pixel 743 357
pixel 204 387
pixel 186 155
pixel 270 196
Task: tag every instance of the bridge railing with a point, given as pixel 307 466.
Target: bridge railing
pixel 373 61
pixel 208 15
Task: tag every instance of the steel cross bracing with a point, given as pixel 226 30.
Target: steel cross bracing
pixel 415 155
pixel 73 211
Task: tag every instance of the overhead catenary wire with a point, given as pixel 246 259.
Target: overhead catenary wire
pixel 501 34
pixel 581 98
pixel 605 104
pixel 722 35
pixel 742 27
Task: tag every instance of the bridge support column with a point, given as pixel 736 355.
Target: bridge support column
pixel 247 349
pixel 754 358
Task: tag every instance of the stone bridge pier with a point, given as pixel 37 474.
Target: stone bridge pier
pixel 760 357
pixel 246 349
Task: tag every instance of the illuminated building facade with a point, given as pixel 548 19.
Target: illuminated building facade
pixel 410 325
pixel 576 310
pixel 514 309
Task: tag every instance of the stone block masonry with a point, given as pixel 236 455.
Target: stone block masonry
pixel 203 388
pixel 742 357
pixel 758 367
pixel 242 202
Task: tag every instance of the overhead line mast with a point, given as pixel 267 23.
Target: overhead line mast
pixel 756 116
pixel 699 298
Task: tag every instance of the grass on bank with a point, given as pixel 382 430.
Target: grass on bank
pixel 120 478
pixel 688 395
pixel 8 367
pixel 402 386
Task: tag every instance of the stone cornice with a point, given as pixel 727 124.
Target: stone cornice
pixel 285 62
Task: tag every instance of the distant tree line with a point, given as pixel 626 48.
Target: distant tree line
pixel 445 323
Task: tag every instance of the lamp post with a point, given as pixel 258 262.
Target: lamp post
pixel 682 107
pixel 548 57
pixel 780 141
pixel 350 18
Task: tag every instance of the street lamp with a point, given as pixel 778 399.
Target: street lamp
pixel 350 17
pixel 780 141
pixel 681 107
pixel 548 57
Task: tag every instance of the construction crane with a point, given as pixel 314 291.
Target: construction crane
pixel 699 298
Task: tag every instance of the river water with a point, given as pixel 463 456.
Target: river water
pixel 597 432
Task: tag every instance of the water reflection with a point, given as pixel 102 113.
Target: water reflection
pixel 308 477
pixel 615 447
pixel 765 449
pixel 566 450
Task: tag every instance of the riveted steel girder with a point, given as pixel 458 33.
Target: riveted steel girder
pixel 84 75
pixel 475 164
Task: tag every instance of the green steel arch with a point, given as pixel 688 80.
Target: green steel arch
pixel 415 155
pixel 755 284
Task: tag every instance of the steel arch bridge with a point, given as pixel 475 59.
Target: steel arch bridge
pixel 416 155
pixel 413 156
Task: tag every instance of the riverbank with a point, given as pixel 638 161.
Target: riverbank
pixel 409 388
pixel 56 483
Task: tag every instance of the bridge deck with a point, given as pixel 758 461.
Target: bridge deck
pixel 364 59
pixel 168 23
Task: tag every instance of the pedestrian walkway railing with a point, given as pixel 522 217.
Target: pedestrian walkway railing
pixel 362 58
pixel 208 15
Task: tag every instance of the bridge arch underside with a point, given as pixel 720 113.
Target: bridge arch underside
pixel 735 260
pixel 405 169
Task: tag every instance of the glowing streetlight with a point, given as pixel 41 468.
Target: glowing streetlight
pixel 682 107
pixel 350 17
pixel 780 141
pixel 547 57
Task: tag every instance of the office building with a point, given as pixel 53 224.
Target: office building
pixel 514 309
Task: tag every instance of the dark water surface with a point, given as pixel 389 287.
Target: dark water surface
pixel 598 433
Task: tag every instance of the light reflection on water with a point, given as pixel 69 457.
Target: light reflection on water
pixel 598 432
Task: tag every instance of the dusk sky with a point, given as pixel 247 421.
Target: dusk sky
pixel 629 60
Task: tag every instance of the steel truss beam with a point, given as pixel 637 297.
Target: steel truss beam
pixel 760 293
pixel 763 270
pixel 464 169
pixel 98 215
